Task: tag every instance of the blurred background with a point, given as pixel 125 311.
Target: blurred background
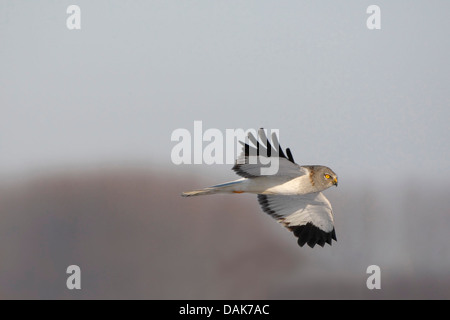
pixel 86 175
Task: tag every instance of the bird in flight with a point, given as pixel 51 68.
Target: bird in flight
pixel 292 194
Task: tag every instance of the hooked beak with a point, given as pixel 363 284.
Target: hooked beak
pixel 335 182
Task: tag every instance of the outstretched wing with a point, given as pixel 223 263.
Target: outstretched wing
pixel 260 153
pixel 309 216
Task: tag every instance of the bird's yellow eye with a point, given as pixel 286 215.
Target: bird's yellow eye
pixel 327 176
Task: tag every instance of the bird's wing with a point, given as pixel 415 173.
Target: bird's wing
pixel 309 216
pixel 259 155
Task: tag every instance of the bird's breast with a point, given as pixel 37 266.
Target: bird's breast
pixel 282 185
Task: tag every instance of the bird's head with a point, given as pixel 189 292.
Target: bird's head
pixel 325 177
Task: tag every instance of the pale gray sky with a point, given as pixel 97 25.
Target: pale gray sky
pixel 364 102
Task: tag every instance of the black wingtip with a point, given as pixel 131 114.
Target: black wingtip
pixel 289 154
pixel 333 235
pixel 312 235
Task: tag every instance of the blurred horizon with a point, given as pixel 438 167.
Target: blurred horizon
pixel 134 236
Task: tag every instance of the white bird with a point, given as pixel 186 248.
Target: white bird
pixel 292 194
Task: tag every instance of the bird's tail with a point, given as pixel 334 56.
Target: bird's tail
pixel 199 192
pixel 220 188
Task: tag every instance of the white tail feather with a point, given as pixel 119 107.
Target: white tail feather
pixel 199 192
pixel 221 188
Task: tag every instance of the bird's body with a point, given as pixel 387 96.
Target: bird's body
pixel 292 194
pixel 282 185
